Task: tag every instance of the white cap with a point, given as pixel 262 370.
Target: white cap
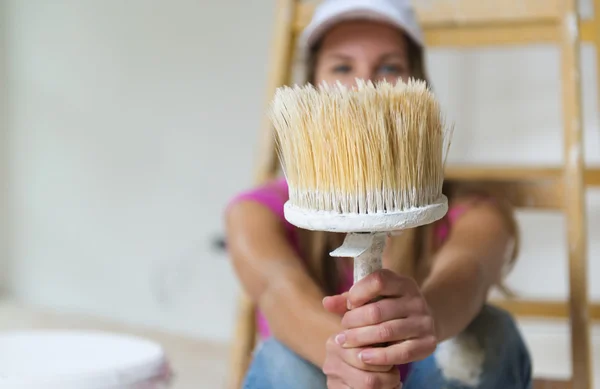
pixel 399 13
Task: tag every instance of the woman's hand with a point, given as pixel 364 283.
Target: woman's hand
pixel 343 367
pixel 400 318
pixel 345 370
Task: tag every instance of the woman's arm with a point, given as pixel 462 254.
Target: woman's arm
pixel 465 268
pixel 275 278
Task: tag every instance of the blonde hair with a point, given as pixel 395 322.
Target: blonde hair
pixel 405 253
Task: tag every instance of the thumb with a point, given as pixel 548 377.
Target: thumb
pixel 337 304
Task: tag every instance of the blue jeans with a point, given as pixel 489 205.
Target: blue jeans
pixel 502 361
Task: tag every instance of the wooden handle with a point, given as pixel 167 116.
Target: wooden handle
pixel 369 262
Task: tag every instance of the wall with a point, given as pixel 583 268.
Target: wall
pixel 123 124
pixel 123 119
pixel 4 220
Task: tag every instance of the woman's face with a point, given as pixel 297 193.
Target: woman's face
pixel 364 50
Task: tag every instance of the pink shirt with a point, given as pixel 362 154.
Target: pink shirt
pixel 274 195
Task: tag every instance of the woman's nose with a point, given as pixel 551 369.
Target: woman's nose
pixel 364 74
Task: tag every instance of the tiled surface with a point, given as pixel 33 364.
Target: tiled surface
pixel 201 364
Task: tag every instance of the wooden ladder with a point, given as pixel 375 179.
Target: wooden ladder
pixel 473 23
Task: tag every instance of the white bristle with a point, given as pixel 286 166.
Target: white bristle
pixel 370 149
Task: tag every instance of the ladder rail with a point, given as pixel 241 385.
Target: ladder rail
pixel 575 200
pixel 280 70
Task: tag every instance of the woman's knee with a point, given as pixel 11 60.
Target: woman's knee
pixel 505 349
pixel 497 331
pixel 274 365
pixel 489 354
pixel 491 351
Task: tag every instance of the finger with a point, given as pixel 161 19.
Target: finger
pixel 358 379
pixel 390 331
pixel 380 283
pixel 335 383
pixel 400 353
pixel 384 310
pixel 351 357
pixel 338 356
pixel 333 363
pixel 337 304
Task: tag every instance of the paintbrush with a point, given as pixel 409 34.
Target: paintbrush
pixel 366 160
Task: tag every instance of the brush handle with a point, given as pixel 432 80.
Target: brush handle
pixel 371 260
pixel 367 251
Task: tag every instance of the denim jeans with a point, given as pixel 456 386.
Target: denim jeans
pixel 503 362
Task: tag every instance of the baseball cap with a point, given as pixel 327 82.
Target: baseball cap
pixel 398 13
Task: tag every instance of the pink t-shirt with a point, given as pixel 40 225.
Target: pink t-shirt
pixel 274 195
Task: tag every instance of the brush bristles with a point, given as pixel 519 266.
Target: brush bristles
pixel 375 148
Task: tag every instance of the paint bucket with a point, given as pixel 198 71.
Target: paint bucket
pixel 80 360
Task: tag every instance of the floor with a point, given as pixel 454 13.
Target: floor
pixel 202 364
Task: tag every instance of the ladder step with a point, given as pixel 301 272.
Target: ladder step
pixel 463 12
pixel 502 173
pixel 437 13
pixel 516 173
pixel 543 309
pixel 505 34
pixel 540 383
pixel 471 23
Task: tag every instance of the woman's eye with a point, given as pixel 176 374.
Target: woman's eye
pixel 342 69
pixel 395 69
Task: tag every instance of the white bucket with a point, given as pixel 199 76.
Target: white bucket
pixel 80 360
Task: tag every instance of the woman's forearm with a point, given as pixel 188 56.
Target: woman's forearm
pixel 466 267
pixel 277 281
pixel 455 293
pixel 293 306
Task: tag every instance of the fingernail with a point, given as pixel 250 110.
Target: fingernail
pixel 340 339
pixel 366 356
pixel 348 305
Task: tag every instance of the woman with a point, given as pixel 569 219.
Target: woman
pixel 433 317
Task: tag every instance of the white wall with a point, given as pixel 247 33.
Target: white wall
pixel 4 222
pixel 122 122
